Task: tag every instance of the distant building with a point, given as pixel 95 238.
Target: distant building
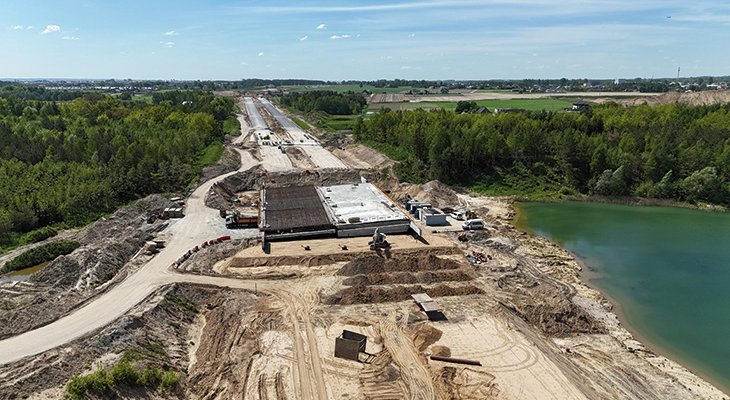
pixel 444 90
pixel 580 105
pixel 482 110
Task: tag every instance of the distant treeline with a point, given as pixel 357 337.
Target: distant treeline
pixel 24 92
pixel 325 101
pixel 65 163
pixel 672 151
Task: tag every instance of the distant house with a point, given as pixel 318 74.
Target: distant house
pixel 482 110
pixel 580 105
pixel 444 90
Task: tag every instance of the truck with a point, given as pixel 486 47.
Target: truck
pixel 237 221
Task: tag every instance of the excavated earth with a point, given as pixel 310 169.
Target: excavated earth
pixel 189 329
pixel 523 312
pixel 107 246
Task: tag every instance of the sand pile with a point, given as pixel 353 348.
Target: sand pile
pixel 554 314
pixel 434 192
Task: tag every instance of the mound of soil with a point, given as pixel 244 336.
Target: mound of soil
pixel 369 294
pixel 373 264
pixel 424 335
pixel 408 277
pixel 434 192
pixel 554 314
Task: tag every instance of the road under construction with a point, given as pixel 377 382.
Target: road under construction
pixel 265 323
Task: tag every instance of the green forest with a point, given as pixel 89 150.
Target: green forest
pixel 330 102
pixel 66 163
pixel 672 151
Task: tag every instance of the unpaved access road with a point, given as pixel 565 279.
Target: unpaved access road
pixel 200 224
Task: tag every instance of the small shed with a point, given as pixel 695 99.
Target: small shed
pixel 580 105
pixel 432 217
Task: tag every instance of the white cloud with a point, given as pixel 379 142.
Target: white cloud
pixel 17 27
pixel 29 27
pixel 168 44
pixel 412 35
pixel 261 54
pixel 321 27
pixel 51 29
pixel 335 37
pixel 244 63
pixel 71 38
pixel 170 33
pixel 303 38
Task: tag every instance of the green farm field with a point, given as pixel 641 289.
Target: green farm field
pixel 524 104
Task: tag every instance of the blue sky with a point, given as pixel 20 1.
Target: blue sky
pixel 336 40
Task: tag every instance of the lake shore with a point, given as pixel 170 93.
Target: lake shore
pixel 603 307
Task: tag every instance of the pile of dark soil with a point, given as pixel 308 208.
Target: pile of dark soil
pixel 370 294
pixel 372 264
pixel 408 277
pixel 548 309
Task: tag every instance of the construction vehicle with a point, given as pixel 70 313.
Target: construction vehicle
pixel 378 242
pixel 237 221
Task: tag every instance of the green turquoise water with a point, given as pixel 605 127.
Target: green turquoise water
pixel 667 268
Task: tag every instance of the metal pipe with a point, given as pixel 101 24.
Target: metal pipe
pixel 456 360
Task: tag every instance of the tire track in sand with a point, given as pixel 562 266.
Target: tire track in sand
pixel 416 377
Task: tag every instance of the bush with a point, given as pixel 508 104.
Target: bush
pixel 124 373
pixel 97 383
pixel 103 382
pixel 168 381
pixel 150 377
pixel 41 234
pixel 40 254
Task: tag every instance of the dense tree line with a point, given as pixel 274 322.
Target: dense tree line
pixel 672 151
pixel 69 162
pixel 332 103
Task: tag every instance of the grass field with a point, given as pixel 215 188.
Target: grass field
pixel 301 123
pixel 209 156
pixel 340 122
pixel 231 126
pixel 349 88
pixel 524 104
pixel 147 98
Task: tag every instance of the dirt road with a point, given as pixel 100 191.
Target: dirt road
pixel 200 224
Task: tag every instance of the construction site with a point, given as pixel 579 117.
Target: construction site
pixel 310 272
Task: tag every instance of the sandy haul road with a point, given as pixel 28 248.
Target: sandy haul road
pixel 200 224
